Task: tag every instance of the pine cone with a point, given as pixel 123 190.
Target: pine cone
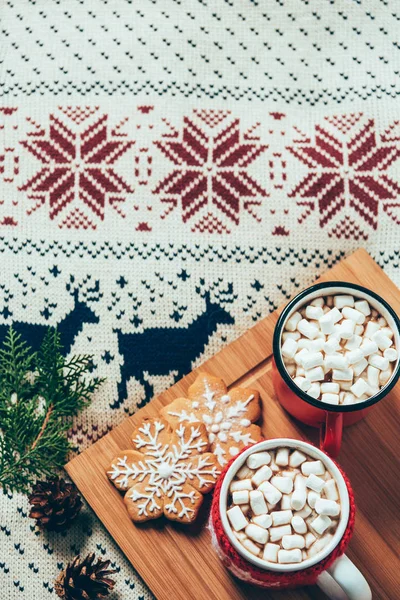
pixel 55 504
pixel 83 580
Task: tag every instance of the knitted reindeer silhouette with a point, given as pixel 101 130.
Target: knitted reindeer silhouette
pixel 159 351
pixel 68 327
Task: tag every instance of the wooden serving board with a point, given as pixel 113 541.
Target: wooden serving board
pixel 178 562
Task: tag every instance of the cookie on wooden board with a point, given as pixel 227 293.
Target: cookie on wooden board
pixel 168 471
pixel 228 416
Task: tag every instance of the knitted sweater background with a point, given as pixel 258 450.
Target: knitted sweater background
pixel 170 173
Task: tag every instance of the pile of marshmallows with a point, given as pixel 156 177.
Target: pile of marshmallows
pixel 338 349
pixel 284 507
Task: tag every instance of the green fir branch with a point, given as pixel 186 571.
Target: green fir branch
pixel 39 394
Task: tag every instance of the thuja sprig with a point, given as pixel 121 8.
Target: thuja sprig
pixel 39 394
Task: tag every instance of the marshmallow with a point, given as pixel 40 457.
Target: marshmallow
pixel 315 483
pixel 244 473
pixel 359 330
pixel 315 467
pixel 347 328
pixel 348 398
pixel 281 517
pixel 330 388
pixel 312 497
pixel 305 512
pixel 289 556
pixel 321 524
pixel 330 490
pixel 312 359
pixel 319 545
pixel 258 459
pixel 286 502
pixel 314 390
pixel 360 387
pixel 298 499
pixel 314 312
pixel 382 321
pixel 303 383
pixel 298 359
pixel 271 494
pixel 289 348
pixel 291 335
pixel 263 474
pixel 251 547
pixel 335 361
pixel 388 332
pixel 244 484
pixel 236 518
pixel 359 367
pixel 292 321
pixel 368 347
pixel 283 484
pixel 327 322
pixel 256 533
pixel 363 307
pixel 391 354
pixel 240 535
pixel 373 376
pixel 293 541
pixel 315 374
pixel 257 503
pixel 277 533
pixel 297 458
pixel 342 374
pixel 384 376
pixel 317 345
pixel 371 328
pixel 307 329
pixel 282 457
pixel 354 356
pixel 381 340
pixel 290 474
pixel 299 525
pixel 309 539
pixel 245 508
pixel 332 345
pixel 354 342
pixel 304 344
pixel 317 302
pixel 342 301
pixel 270 553
pixel 330 398
pixel 263 521
pixel 300 372
pixel 299 482
pixel 240 497
pixel 327 507
pixel 380 362
pixel 353 315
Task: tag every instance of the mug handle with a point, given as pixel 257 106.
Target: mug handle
pixel 331 433
pixel 343 581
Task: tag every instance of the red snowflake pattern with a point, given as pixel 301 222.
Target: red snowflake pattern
pixel 347 175
pixel 210 175
pixel 78 166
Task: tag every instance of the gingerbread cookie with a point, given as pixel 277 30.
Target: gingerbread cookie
pixel 168 471
pixel 228 416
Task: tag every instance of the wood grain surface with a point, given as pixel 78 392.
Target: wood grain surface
pixel 178 562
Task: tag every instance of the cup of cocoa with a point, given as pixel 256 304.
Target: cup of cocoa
pixel 282 517
pixel 335 355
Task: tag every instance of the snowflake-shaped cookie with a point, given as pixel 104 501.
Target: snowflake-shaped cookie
pixel 167 473
pixel 228 416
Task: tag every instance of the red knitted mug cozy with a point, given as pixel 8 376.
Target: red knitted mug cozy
pixel 242 569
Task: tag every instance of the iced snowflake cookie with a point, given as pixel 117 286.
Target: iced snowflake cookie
pixel 228 416
pixel 168 471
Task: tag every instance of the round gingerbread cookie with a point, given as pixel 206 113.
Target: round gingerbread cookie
pixel 168 471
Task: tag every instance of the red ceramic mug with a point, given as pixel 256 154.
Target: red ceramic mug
pixel 329 418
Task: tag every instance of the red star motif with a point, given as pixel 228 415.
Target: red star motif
pixel 77 166
pixel 346 172
pixel 210 168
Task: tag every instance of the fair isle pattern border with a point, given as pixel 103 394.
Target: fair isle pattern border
pixel 210 171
